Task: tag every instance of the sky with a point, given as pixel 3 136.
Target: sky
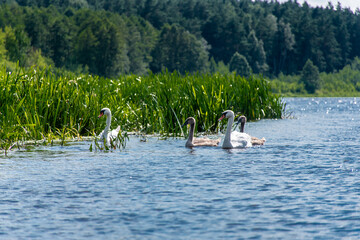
pixel 353 4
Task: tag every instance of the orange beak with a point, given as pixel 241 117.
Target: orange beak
pixel 101 114
pixel 221 118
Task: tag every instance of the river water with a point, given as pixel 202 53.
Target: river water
pixel 304 183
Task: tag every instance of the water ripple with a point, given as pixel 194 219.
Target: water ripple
pixel 302 184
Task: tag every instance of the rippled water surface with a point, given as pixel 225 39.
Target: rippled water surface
pixel 302 184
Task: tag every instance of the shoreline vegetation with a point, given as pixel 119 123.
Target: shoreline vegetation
pixel 50 104
pixel 342 83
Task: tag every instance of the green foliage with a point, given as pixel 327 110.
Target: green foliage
pixel 2 45
pixel 51 104
pixel 17 45
pixel 39 102
pixel 256 54
pixel 288 85
pixel 344 83
pixel 99 44
pixel 141 40
pixel 284 42
pixel 219 67
pixel 60 42
pixel 3 52
pixel 110 38
pixel 240 65
pixel 179 50
pixel 355 65
pixel 35 58
pixel 310 77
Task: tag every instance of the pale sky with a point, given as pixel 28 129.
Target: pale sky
pixel 353 4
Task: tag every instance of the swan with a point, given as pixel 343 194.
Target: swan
pixel 254 140
pixel 234 139
pixel 106 134
pixel 195 142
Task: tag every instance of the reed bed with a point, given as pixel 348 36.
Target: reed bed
pixel 53 104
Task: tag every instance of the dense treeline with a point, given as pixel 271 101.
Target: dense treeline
pixel 99 42
pixel 108 37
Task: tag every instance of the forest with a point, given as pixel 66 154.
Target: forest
pixel 109 38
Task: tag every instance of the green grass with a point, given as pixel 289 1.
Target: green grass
pixel 52 104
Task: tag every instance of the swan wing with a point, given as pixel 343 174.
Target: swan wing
pixel 206 142
pixel 240 140
pixel 111 136
pixel 114 133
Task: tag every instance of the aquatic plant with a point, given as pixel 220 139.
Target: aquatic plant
pixel 55 104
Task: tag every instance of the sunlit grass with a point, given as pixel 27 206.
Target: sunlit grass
pixel 51 104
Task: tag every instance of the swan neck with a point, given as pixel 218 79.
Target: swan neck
pixel 227 139
pixel 242 127
pixel 108 122
pixel 191 133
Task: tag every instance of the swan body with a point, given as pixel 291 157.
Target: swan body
pixel 254 140
pixel 107 135
pixel 195 142
pixel 234 139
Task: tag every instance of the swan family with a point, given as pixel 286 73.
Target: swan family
pixel 232 139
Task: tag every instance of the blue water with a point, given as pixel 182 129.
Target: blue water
pixel 304 183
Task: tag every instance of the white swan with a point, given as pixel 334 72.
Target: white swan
pixel 234 139
pixel 195 142
pixel 106 134
pixel 254 140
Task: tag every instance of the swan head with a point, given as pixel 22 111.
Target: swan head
pixel 226 114
pixel 241 121
pixel 189 121
pixel 104 111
